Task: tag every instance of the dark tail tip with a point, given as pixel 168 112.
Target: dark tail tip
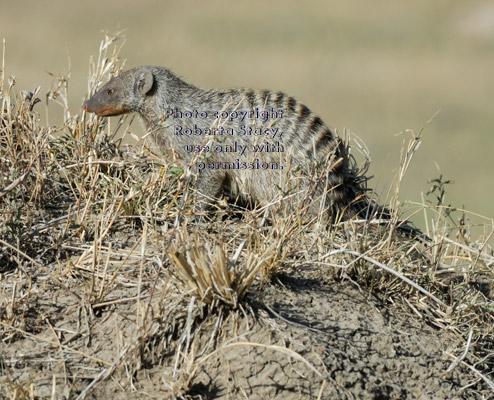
pixel 370 210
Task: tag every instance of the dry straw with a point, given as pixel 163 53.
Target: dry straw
pixel 211 274
pixel 86 221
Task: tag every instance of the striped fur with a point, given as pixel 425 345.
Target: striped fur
pixel 320 173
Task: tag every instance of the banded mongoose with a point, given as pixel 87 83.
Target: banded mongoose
pixel 258 145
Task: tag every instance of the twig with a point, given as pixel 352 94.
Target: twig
pixel 106 372
pixel 280 349
pixel 4 191
pixel 461 358
pixel 390 270
pixel 292 322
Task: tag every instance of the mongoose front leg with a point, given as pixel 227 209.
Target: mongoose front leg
pixel 208 186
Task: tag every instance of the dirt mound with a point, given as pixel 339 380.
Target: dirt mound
pixel 316 339
pixel 306 336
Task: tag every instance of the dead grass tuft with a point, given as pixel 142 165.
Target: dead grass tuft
pixel 211 274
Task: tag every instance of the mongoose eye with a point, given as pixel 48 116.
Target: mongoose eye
pixel 110 92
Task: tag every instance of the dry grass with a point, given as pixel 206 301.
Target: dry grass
pixel 211 275
pixel 83 216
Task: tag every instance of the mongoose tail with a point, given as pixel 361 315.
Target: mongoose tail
pixel 316 170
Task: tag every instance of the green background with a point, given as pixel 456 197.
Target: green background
pixel 374 67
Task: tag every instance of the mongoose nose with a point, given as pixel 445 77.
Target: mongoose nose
pixel 84 107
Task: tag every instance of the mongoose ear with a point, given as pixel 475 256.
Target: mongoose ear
pixel 144 81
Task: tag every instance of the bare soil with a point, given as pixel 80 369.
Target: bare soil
pixel 305 335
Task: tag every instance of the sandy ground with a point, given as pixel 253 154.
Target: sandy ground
pixel 306 335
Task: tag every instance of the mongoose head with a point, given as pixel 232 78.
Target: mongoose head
pixel 123 94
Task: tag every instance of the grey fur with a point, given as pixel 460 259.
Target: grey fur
pixel 317 171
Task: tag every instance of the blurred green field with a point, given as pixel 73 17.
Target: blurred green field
pixel 376 68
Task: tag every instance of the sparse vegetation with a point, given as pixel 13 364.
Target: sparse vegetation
pixel 107 281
